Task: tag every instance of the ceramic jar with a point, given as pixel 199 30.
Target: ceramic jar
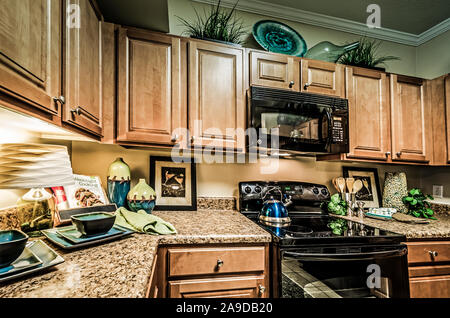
pixel 118 182
pixel 141 197
pixel 395 188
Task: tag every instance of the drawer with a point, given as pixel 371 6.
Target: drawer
pixel 430 287
pixel 428 252
pixel 205 261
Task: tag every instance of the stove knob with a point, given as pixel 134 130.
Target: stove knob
pixel 316 191
pixel 247 189
pixel 324 192
pixel 258 189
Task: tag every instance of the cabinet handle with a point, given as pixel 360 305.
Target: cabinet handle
pixel 305 87
pixel 59 99
pixel 433 253
pixel 76 111
pixel 387 153
pixel 399 154
pixel 192 138
pixel 291 84
pixel 261 289
pixel 174 138
pixel 219 263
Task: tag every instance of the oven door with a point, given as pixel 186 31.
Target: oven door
pixel 344 272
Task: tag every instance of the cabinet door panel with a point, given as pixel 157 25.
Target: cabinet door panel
pixel 322 78
pixel 216 95
pixel 447 105
pixel 82 70
pixel 30 51
pixel 229 287
pixel 152 102
pixel 430 287
pixel 273 70
pixel 411 119
pixel 367 94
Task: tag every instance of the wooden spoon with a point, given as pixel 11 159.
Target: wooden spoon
pixel 335 184
pixel 341 184
pixel 357 186
pixel 350 182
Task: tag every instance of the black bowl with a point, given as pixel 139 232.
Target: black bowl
pixel 93 223
pixel 12 244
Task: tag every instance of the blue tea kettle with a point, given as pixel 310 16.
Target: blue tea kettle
pixel 274 212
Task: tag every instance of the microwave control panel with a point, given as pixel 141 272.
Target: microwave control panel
pixel 337 129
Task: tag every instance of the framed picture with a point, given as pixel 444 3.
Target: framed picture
pixel 370 193
pixel 174 182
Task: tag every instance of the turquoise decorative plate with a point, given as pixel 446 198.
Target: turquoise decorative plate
pixel 278 37
pixel 71 234
pixel 26 260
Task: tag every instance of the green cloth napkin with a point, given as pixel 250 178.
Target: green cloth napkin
pixel 143 223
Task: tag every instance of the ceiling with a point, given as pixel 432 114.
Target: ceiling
pixel 411 16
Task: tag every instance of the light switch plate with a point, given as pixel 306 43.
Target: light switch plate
pixel 438 191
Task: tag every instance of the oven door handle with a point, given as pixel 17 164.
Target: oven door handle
pixel 349 256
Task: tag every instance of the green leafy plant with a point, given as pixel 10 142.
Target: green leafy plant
pixel 338 226
pixel 416 204
pixel 216 24
pixel 366 55
pixel 336 205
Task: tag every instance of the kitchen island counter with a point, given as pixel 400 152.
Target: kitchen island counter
pixel 122 268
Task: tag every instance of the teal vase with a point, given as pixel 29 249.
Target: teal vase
pixel 141 197
pixel 118 182
pixel 329 52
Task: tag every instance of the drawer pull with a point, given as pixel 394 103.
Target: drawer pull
pixel 291 84
pixel 219 263
pixel 76 111
pixel 433 254
pixel 261 289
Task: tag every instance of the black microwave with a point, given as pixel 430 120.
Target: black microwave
pixel 297 123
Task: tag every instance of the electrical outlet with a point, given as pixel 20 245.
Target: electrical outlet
pixel 438 191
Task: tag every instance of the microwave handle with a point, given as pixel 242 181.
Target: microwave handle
pixel 329 134
pixel 347 257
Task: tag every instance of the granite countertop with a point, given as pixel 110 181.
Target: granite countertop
pixel 436 229
pixel 121 268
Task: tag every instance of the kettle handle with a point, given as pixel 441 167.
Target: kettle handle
pixel 269 189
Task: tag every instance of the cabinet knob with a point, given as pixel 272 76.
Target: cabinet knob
pixel 174 138
pixel 291 84
pixel 219 263
pixel 305 87
pixel 387 153
pixel 433 253
pixel 192 138
pixel 76 111
pixel 261 289
pixel 399 154
pixel 59 99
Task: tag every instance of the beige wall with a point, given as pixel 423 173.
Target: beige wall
pixel 433 57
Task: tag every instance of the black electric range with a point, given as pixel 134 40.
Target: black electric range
pixel 308 259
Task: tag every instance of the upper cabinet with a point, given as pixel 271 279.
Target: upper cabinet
pixel 411 119
pixel 216 95
pixel 322 78
pixel 274 70
pixel 30 55
pixel 151 88
pixel 447 107
pixel 367 92
pixel 82 71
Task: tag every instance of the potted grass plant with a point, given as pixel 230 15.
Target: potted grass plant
pixel 366 55
pixel 216 24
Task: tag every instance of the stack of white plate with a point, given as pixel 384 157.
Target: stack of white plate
pixel 34 166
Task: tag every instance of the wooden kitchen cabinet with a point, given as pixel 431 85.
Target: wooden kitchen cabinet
pixel 367 92
pixel 410 119
pixel 225 270
pixel 83 77
pixel 274 70
pixel 151 87
pixel 30 47
pixel 447 108
pixel 321 77
pixel 440 117
pixel 429 272
pixel 216 95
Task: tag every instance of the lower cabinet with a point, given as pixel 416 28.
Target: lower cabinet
pixel 208 271
pixel 429 269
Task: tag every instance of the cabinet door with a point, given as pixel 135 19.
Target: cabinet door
pixel 322 78
pixel 83 69
pixel 367 92
pixel 410 119
pixel 227 287
pixel 30 32
pixel 273 70
pixel 151 87
pixel 447 106
pixel 216 96
pixel 430 287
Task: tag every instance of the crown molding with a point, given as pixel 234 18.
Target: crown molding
pixel 344 25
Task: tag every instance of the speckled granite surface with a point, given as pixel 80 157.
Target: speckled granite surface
pixel 122 268
pixel 437 229
pixel 225 203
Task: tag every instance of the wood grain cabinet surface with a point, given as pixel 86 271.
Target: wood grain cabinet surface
pixel 321 77
pixel 151 87
pixel 30 52
pixel 216 95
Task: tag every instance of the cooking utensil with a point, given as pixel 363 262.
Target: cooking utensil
pixel 349 182
pixel 341 184
pixel 335 184
pixel 357 186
